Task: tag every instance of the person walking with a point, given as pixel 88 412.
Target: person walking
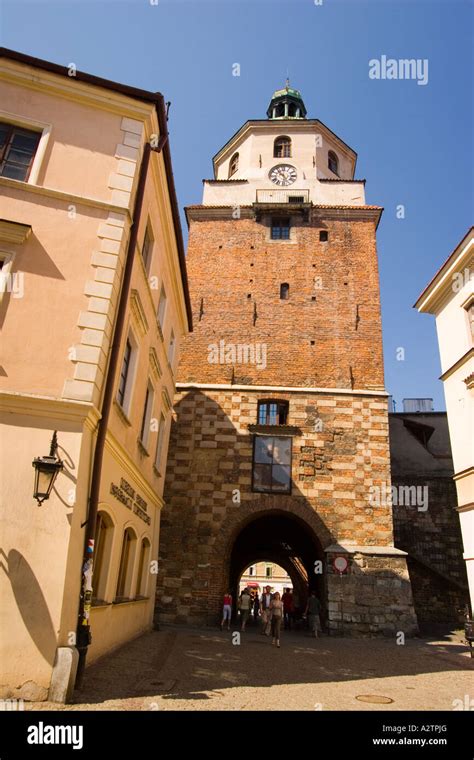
pixel 244 607
pixel 313 609
pixel 288 608
pixel 256 608
pixel 227 610
pixel 276 609
pixel 265 611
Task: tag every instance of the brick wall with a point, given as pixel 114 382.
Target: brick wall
pixel 211 459
pixel 235 273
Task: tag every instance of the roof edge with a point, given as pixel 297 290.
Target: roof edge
pixel 442 270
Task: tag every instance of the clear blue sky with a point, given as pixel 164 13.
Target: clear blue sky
pixel 414 142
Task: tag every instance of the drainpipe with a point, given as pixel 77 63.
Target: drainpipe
pixel 83 638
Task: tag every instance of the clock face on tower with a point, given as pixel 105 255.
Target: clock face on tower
pixel 283 174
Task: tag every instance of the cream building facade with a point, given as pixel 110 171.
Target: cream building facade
pixel 450 297
pixel 262 574
pixel 72 167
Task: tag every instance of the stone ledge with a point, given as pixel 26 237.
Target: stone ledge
pixel 360 549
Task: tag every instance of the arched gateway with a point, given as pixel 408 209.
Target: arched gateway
pixel 279 445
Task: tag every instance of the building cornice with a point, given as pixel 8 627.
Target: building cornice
pixel 281 388
pixel 48 407
pixel 361 213
pixel 14 232
pixel 467 473
pixel 442 283
pixel 71 198
pixel 460 362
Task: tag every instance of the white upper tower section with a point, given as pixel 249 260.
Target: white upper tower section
pixel 284 158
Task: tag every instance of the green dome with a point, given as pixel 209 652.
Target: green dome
pixel 287 91
pixel 286 103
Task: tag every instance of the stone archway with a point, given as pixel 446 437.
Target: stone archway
pixel 291 535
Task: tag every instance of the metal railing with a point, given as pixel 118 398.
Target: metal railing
pixel 283 196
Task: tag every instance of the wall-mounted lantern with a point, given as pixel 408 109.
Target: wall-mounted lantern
pixel 46 470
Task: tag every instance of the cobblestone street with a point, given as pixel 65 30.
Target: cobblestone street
pixel 201 669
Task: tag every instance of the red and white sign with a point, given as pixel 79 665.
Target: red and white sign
pixel 340 565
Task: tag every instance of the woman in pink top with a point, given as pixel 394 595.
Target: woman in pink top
pixel 227 610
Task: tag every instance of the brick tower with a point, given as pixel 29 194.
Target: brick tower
pixel 280 438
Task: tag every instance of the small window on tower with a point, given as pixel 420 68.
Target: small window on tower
pixel 282 147
pixel 272 412
pixel 280 228
pixel 323 236
pixel 284 291
pixel 333 163
pixel 234 164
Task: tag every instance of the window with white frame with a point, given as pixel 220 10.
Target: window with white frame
pixel 162 306
pixel 143 565
pixel 171 348
pixel 160 441
pixel 124 580
pixel 18 148
pixel 102 551
pixel 127 372
pixel 19 155
pixel 147 248
pixel 147 412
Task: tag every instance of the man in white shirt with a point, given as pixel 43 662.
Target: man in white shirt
pixel 265 602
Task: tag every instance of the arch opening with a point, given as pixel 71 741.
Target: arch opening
pixel 285 541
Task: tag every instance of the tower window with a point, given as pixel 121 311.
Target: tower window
pixel 272 412
pixel 271 464
pixel 323 236
pixel 282 147
pixel 234 164
pixel 280 228
pixel 284 291
pixel 333 163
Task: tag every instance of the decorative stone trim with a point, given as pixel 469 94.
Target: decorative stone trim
pixel 166 399
pixel 283 388
pixel 138 313
pixel 155 365
pixel 469 381
pixel 275 429
pixel 90 355
pixel 389 551
pixel 14 232
pixel 121 181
